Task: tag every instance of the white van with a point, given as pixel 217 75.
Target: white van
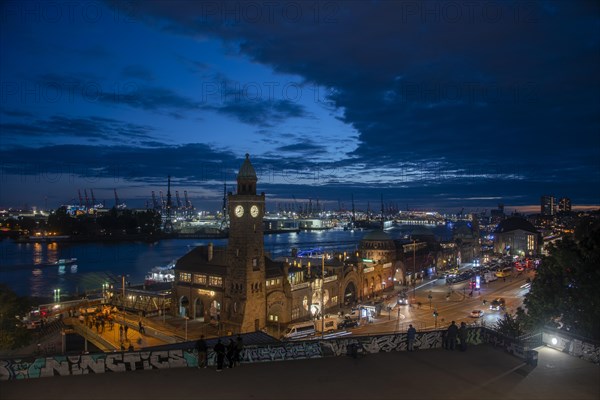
pixel 300 330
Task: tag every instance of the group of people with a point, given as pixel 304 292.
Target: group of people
pixel 449 338
pixel 231 352
pixel 453 333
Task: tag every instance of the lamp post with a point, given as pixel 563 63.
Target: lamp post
pixel 322 299
pixel 414 270
pixel 186 320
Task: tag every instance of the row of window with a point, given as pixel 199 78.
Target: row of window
pixel 273 282
pixel 200 279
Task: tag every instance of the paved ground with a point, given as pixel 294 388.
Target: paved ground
pixel 482 373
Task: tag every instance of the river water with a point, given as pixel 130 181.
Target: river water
pixel 99 263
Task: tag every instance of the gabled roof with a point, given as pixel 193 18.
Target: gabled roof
pixel 197 261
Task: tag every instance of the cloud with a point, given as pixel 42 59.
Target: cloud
pixel 131 93
pixel 137 72
pixel 261 113
pixel 92 127
pixel 495 84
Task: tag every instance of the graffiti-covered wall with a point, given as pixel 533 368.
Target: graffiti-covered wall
pixel 159 359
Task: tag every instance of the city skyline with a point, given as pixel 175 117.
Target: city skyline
pixel 438 105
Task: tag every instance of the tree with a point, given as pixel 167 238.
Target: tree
pixel 12 335
pixel 565 291
pixel 510 326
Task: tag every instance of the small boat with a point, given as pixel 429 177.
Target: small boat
pixel 161 274
pixel 62 261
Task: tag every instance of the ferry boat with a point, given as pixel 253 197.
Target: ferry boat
pixel 62 261
pixel 161 274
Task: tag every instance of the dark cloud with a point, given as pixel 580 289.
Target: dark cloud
pixel 193 162
pixel 500 84
pixel 262 113
pixel 306 146
pixel 97 128
pixel 132 93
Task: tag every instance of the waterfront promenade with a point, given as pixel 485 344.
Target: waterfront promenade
pixel 483 372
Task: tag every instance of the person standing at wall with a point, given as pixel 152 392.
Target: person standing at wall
pixel 462 335
pixel 411 333
pixel 451 335
pixel 201 347
pixel 220 351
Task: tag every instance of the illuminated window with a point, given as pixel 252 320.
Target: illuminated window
pixel 273 318
pixel 215 281
pixel 295 312
pixel 185 277
pixel 530 242
pixel 200 279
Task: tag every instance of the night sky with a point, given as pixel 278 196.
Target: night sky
pixel 438 105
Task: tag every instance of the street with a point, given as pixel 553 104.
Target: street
pixel 452 303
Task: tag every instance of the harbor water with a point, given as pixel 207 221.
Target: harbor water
pixel 24 266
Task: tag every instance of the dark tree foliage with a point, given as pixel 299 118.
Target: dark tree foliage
pixel 566 290
pixel 511 326
pixel 12 334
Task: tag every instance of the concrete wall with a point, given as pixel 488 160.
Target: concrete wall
pixel 162 359
pixel 572 345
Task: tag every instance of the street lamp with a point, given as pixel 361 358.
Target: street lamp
pixel 186 320
pixel 414 269
pixel 322 302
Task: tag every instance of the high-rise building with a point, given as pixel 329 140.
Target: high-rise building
pixel 548 205
pixel 564 204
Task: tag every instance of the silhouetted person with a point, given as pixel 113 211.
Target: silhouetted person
pixel 239 346
pixel 201 347
pixel 231 349
pixel 411 333
pixel 220 351
pixel 451 335
pixel 462 335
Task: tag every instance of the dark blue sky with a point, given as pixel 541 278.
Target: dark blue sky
pixel 434 104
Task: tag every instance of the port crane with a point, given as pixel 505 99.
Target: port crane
pixel 177 199
pixel 154 203
pixel 117 203
pixel 188 204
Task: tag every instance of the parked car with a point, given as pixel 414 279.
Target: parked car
pixel 348 323
pixel 476 313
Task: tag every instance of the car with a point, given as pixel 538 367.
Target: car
pixel 476 313
pixel 348 323
pixel 497 304
pixel 402 301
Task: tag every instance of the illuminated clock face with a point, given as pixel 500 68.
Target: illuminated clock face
pixel 239 211
pixel 254 211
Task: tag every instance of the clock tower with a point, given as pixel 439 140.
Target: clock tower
pixel 245 291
